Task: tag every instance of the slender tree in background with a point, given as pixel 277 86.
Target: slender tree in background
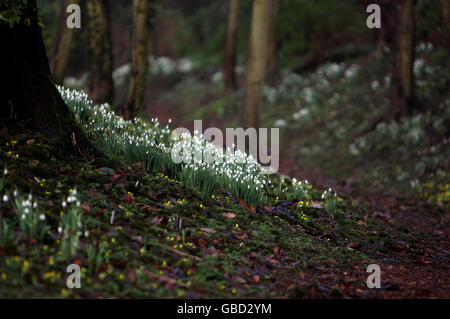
pixel 139 59
pixel 61 46
pixel 446 22
pixel 272 59
pixel 29 98
pixel 101 87
pixel 403 77
pixel 256 62
pixel 230 52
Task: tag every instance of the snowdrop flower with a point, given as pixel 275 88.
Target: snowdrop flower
pixel 60 230
pixel 42 217
pixel 5 198
pixel 280 123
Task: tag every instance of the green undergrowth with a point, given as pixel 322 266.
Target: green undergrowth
pixel 138 233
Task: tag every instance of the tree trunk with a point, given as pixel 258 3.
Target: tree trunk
pixel 272 59
pixel 230 53
pixel 101 88
pixel 446 22
pixel 61 46
pixel 29 98
pixel 256 63
pixel 403 77
pixel 139 59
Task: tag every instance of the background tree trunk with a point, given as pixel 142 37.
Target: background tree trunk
pixel 101 88
pixel 61 46
pixel 230 53
pixel 257 62
pixel 403 78
pixel 446 22
pixel 29 98
pixel 139 59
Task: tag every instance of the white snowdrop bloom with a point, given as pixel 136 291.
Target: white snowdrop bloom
pixel 15 193
pixel 26 210
pixel 374 85
pixel 35 205
pixel 280 123
pixel 86 234
pixel 42 217
pixel 5 171
pixel 23 216
pixel 60 230
pixel 64 204
pixel 5 198
pixel 217 77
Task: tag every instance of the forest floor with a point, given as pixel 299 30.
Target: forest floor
pixel 168 241
pixel 145 234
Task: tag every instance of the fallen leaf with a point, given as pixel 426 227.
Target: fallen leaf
pixel 208 230
pixel 316 205
pixel 229 215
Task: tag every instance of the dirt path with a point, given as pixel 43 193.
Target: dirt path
pixel 419 272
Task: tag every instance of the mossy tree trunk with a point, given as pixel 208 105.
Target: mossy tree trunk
pixel 230 51
pixel 101 87
pixel 403 77
pixel 256 62
pixel 139 59
pixel 61 46
pixel 29 98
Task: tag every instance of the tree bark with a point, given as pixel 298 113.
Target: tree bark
pixel 29 99
pixel 403 77
pixel 61 46
pixel 139 59
pixel 230 52
pixel 446 22
pixel 257 62
pixel 101 88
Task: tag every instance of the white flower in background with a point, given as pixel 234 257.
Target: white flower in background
pixel 42 217
pixel 217 77
pixel 270 94
pixel 5 198
pixel 280 123
pixel 120 74
pixel 302 113
pixel 418 66
pixel 375 85
pixel 352 71
pixel 185 66
pixel 308 94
